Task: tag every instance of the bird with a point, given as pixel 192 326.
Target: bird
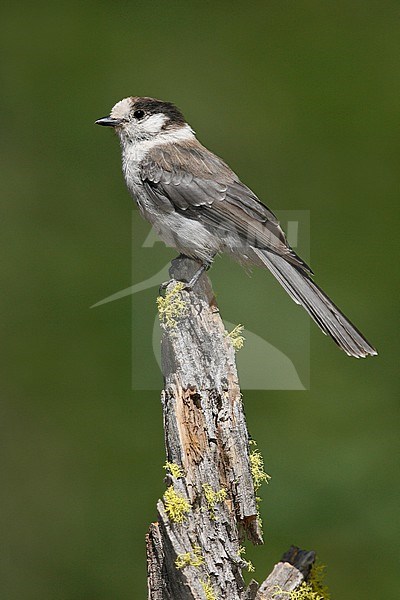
pixel 199 206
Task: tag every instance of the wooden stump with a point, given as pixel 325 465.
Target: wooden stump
pixel 193 549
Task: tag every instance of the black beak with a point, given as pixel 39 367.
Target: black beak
pixel 108 122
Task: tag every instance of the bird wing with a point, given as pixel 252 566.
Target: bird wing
pixel 194 182
pixel 189 179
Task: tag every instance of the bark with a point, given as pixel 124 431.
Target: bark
pixel 287 575
pixel 206 436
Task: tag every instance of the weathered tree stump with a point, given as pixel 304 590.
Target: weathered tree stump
pixel 210 504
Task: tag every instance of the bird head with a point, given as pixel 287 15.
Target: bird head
pixel 141 118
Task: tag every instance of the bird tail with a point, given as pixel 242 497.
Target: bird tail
pixel 328 317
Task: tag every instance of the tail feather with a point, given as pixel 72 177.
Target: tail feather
pixel 328 317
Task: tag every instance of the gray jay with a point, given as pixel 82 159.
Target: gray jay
pixel 198 205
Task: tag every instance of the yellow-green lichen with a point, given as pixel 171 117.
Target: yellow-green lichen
pixel 174 469
pixel 303 592
pixel 192 559
pixel 258 474
pixel 213 498
pixel 236 337
pixel 257 468
pixel 176 506
pixel 208 590
pixel 171 307
pixel 316 580
pixel 245 564
pixel 250 567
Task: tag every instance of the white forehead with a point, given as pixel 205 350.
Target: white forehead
pixel 121 109
pixel 151 124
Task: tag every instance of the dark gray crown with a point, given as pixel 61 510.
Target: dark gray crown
pixel 153 106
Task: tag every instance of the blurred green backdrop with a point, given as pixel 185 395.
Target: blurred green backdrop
pixel 301 99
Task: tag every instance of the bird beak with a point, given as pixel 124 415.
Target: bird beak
pixel 108 122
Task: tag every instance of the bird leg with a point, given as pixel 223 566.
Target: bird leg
pixel 202 269
pixel 189 285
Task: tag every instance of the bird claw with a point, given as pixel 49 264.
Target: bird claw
pixel 188 285
pixel 163 287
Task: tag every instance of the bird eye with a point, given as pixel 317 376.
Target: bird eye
pixel 138 114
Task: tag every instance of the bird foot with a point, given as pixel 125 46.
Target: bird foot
pixel 188 285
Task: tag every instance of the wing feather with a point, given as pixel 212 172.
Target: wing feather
pixel 189 178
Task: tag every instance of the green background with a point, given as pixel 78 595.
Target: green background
pixel 301 99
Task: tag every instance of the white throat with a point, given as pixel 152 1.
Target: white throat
pixel 134 151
